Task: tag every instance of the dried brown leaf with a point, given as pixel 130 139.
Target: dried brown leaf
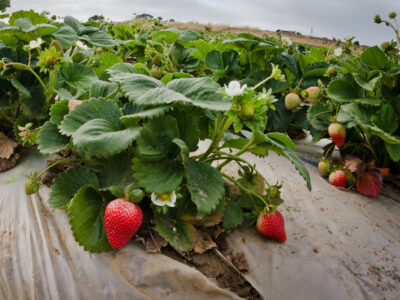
pixel 201 239
pixel 6 164
pixel 240 262
pixel 353 164
pixel 7 146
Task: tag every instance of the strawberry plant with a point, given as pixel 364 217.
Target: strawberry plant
pixel 137 147
pixel 360 110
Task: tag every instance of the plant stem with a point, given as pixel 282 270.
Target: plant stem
pixel 218 134
pixel 261 83
pixel 250 192
pixel 64 161
pixel 243 150
pixel 219 155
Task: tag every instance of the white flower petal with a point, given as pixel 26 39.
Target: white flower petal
pixel 338 51
pixel 161 202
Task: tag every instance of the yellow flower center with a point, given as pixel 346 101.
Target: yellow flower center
pixel 164 197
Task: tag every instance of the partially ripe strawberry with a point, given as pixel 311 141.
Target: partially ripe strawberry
pixel 246 111
pixel 292 101
pixel 338 179
pixel 324 167
pixel 384 171
pixel 72 103
pixel 122 219
pixel 313 94
pixel 272 225
pixel 338 133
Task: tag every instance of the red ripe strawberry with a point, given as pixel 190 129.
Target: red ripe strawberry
pixel 338 179
pixel 272 225
pixel 338 133
pixel 122 220
pixel 72 103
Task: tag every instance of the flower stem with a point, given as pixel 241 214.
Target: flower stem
pixel 261 83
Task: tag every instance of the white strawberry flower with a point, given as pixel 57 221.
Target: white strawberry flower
pixel 164 199
pixel 286 41
pixel 338 51
pixel 234 89
pixel 35 44
pixel 81 45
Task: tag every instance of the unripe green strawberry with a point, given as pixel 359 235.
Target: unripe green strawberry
pixel 122 219
pixel 331 72
pixel 49 62
pixel 157 59
pixel 1 65
pixel 246 111
pixel 272 225
pixel 274 192
pixel 32 186
pixel 292 101
pixel 324 167
pixel 313 94
pixel 57 45
pixel 156 73
pixel 338 133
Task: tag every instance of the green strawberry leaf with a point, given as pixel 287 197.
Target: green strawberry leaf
pixel 102 89
pixel 117 171
pixel 155 140
pixel 57 111
pixel 98 38
pixel 169 36
pixel 375 58
pixel 50 141
pixel 360 116
pixel 67 185
pixel 394 151
pixel 90 110
pixel 174 230
pixel 131 120
pixel 205 185
pixel 77 76
pixel 102 138
pixel 161 176
pixel 86 216
pixel 66 36
pixel 148 91
pixel 233 215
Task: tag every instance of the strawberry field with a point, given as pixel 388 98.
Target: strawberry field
pixel 181 141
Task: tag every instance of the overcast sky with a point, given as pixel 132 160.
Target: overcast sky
pixel 327 18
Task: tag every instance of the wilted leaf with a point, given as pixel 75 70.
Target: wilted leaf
pixel 7 146
pixel 353 164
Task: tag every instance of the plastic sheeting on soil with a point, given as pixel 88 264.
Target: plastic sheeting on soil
pixel 340 245
pixel 39 258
